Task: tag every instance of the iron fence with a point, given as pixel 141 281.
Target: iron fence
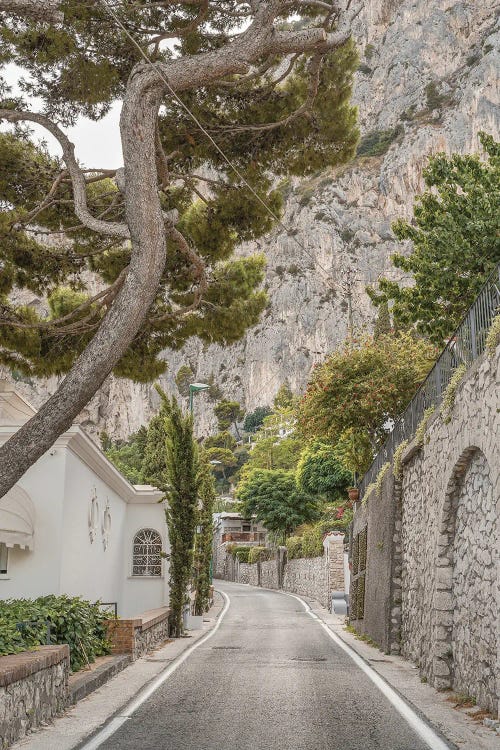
pixel 464 346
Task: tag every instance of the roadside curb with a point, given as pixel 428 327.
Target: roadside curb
pixel 401 675
pixel 84 719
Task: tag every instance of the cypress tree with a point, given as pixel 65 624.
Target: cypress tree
pixel 182 499
pixel 203 547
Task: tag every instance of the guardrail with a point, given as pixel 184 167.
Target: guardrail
pixel 464 346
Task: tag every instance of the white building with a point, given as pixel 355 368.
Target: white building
pixel 74 525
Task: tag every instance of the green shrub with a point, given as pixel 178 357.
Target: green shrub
pixel 72 620
pixel 294 547
pixel 242 554
pixel 257 554
pixel 436 100
pixel 377 142
pixel 369 50
pixel 312 542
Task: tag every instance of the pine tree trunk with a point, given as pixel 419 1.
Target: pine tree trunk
pixel 131 305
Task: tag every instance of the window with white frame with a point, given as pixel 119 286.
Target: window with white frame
pixel 4 559
pixel 146 556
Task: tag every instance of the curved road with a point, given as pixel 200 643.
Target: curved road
pixel 270 677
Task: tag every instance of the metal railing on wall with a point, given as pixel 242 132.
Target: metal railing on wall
pixel 464 346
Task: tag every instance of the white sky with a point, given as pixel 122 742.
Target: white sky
pixel 97 144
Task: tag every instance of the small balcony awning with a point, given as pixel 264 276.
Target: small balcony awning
pixel 17 519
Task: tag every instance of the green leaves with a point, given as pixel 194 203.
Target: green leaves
pixel 456 242
pixel 72 620
pixel 363 385
pixel 273 497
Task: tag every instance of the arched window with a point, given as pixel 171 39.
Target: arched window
pixel 146 556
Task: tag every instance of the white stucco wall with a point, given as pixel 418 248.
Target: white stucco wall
pixel 37 572
pixel 87 569
pixel 65 558
pixel 139 593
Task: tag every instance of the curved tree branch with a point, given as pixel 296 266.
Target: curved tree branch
pixel 77 176
pixel 145 222
pixel 45 11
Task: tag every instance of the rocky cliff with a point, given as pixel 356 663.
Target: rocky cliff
pixel 427 82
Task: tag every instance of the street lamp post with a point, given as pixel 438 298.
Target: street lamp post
pixel 194 388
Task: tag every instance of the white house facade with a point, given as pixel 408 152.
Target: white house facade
pixel 74 525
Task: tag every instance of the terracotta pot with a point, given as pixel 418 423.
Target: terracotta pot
pixel 353 493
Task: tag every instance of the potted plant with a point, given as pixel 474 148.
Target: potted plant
pixel 353 493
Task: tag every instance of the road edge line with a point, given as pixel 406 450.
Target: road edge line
pixel 124 713
pixel 423 728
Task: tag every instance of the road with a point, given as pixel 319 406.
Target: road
pixel 270 677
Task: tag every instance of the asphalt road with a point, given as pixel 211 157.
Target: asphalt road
pixel 269 678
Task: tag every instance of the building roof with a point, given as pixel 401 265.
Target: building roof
pixel 15 411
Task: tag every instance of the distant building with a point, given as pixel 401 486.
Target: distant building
pixel 233 528
pixel 74 525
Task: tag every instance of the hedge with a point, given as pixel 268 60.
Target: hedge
pixel 80 624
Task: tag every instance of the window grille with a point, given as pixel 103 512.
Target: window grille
pixel 146 559
pixel 4 557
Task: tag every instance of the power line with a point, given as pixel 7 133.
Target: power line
pixel 214 143
pixel 289 232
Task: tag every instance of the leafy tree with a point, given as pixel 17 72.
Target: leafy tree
pixel 183 481
pixel 254 420
pixel 183 379
pixel 354 450
pixel 229 413
pixel 383 325
pixel 362 386
pixel 276 444
pixel 456 242
pixel 203 545
pixel 284 398
pixel 274 498
pixel 225 459
pixel 221 440
pixel 127 455
pixel 157 235
pixel 319 472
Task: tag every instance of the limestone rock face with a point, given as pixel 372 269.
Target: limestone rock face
pixel 427 82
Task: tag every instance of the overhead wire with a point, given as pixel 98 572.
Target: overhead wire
pixel 278 221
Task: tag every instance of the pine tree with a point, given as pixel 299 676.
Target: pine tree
pixel 203 546
pixel 272 88
pixel 274 91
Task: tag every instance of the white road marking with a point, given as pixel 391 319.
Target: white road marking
pixel 143 695
pixel 424 731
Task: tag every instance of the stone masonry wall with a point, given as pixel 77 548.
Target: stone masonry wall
pixel 315 578
pixel 308 577
pixel 431 586
pixel 33 689
pixel 139 635
pixel 450 541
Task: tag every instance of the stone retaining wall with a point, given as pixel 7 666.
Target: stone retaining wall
pixel 33 690
pixel 139 635
pixel 315 578
pixel 308 577
pixel 431 581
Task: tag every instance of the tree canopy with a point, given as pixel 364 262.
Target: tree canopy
pixel 274 498
pixel 456 242
pixel 254 419
pixel 362 386
pixel 319 472
pixel 145 258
